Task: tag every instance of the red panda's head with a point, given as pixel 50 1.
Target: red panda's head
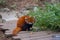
pixel 29 20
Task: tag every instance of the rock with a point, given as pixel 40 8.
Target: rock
pixel 8 35
pixel 3 30
pixel 2 36
pixel 4 10
pixel 0 18
pixel 16 38
pixel 56 37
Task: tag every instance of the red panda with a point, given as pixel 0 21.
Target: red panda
pixel 24 23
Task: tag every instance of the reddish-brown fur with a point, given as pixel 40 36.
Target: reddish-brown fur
pixel 20 23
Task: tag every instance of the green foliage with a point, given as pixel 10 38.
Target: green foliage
pixel 2 2
pixel 47 18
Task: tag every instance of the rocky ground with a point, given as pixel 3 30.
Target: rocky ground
pixel 24 35
pixel 10 18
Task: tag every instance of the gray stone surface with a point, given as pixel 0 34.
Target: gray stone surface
pixel 23 35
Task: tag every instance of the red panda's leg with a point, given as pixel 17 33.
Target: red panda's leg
pixel 16 30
